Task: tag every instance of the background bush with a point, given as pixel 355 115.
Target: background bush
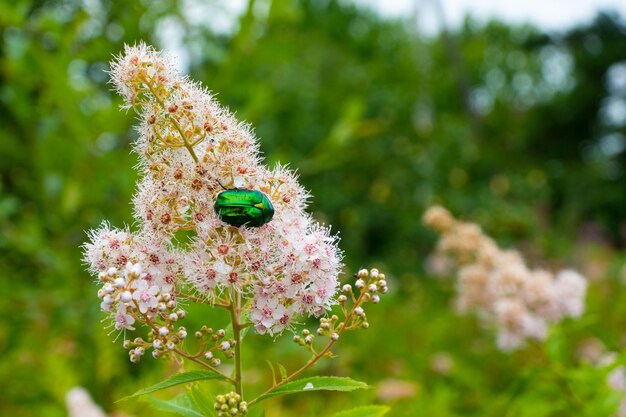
pixel 519 130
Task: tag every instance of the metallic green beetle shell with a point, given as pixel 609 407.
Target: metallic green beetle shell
pixel 239 207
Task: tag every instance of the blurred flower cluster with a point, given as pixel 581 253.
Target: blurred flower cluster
pixel 190 150
pixel 497 284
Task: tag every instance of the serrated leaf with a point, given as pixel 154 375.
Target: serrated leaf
pixel 316 383
pixel 177 379
pixel 283 371
pixel 181 405
pixel 366 411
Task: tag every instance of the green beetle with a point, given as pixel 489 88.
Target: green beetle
pixel 239 207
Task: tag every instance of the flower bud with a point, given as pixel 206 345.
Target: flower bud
pixel 372 288
pixel 334 336
pixel 362 273
pixel 347 288
pixel 119 283
pixel 126 297
pixel 374 273
pixel 225 346
pixel 359 283
pixel 157 344
pixel 359 311
pixel 173 317
pixel 208 355
pixel 376 299
pixel 163 331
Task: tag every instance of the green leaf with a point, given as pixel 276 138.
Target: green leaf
pixel 181 405
pixel 283 371
pixel 316 383
pixel 273 372
pixel 201 399
pixel 367 411
pixel 177 379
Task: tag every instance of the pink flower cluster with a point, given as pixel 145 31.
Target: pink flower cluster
pixel 497 284
pixel 190 149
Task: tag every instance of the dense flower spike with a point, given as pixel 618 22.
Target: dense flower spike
pixel 498 284
pixel 190 149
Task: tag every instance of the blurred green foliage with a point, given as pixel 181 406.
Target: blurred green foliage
pixel 519 130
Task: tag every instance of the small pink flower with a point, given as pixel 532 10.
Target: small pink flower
pixel 124 321
pixel 145 295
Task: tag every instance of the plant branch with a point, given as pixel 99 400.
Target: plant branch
pixel 235 312
pixel 318 356
pixel 206 365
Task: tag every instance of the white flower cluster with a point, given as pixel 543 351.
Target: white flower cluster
pixel 522 302
pixel 190 150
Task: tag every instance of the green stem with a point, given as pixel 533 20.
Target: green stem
pixel 235 313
